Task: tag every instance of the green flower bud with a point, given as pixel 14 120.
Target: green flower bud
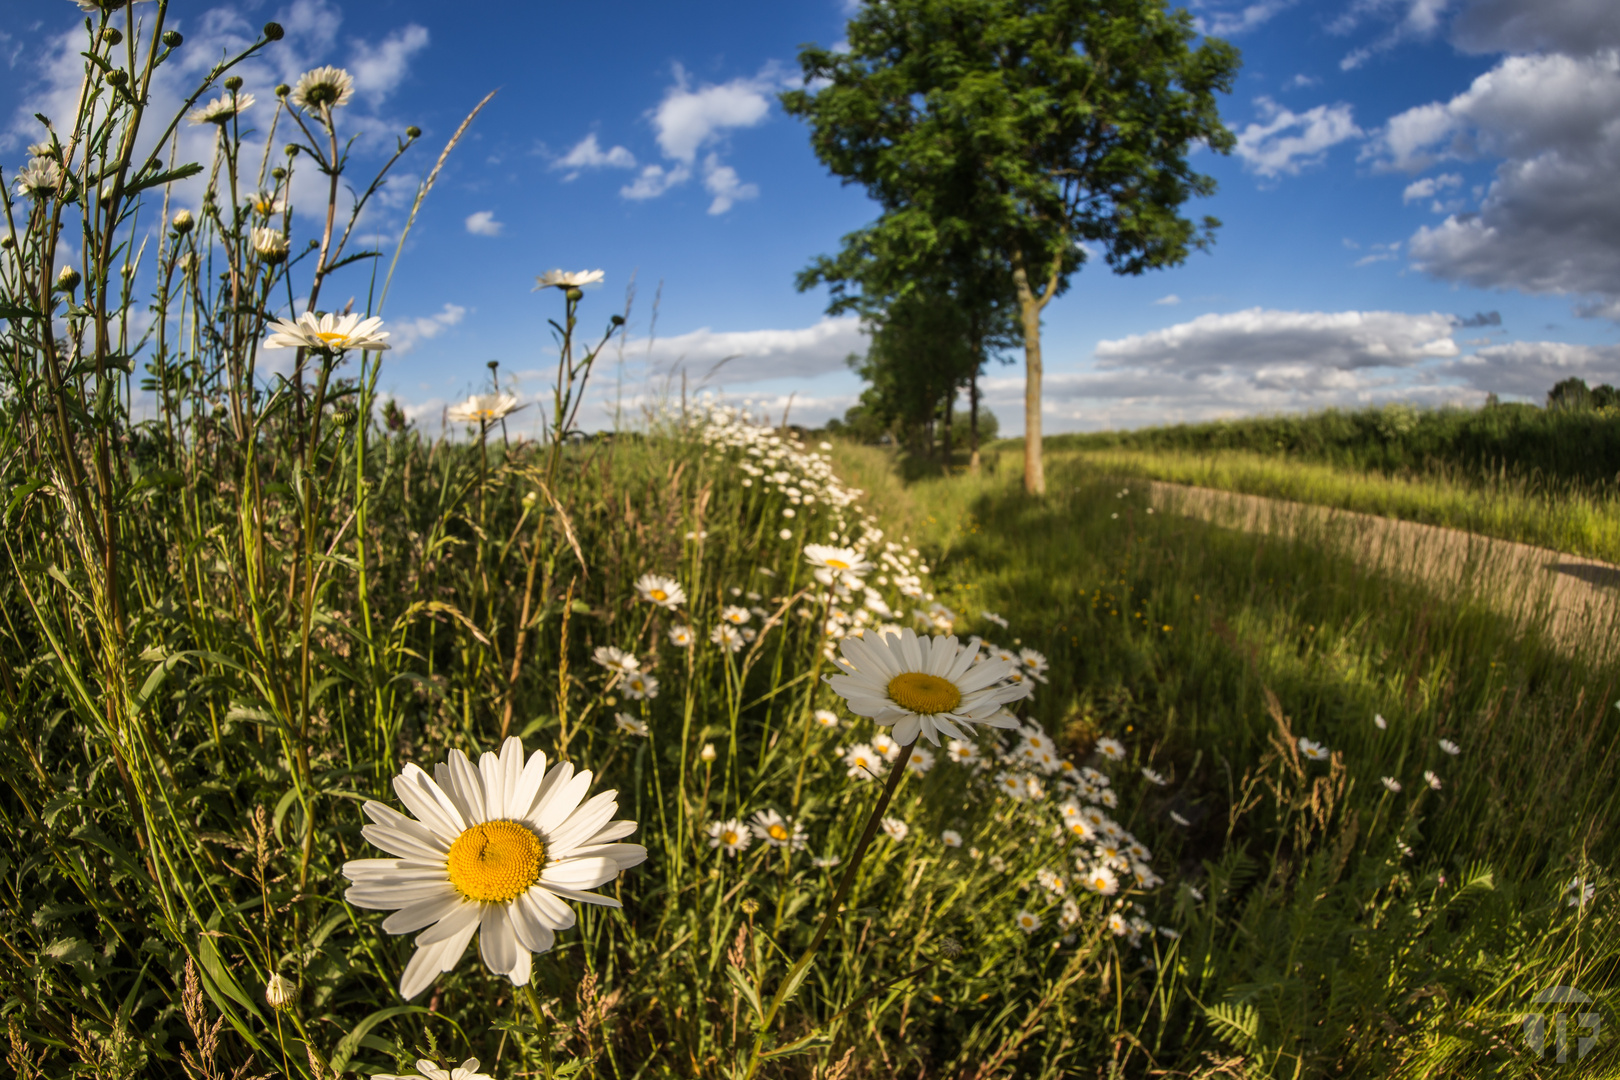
pixel 173 38
pixel 282 90
pixel 273 31
pixel 182 222
pixel 234 83
pixel 291 150
pixel 413 132
pixel 280 992
pixel 7 242
pixel 68 279
pixel 112 35
pixel 118 77
pixel 278 173
pixel 574 295
pixel 617 320
pixel 346 416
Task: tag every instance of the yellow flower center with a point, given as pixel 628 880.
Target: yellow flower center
pixel 925 694
pixel 496 862
pixel 658 595
pixel 837 564
pixel 728 838
pixel 778 832
pixel 1031 662
pixel 331 337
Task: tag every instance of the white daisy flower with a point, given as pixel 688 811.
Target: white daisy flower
pixel 727 637
pixel 630 725
pixel 1392 784
pixel 863 762
pixel 1170 932
pixel 639 687
pixel 826 862
pixel 1432 779
pixel 785 534
pixel 426 1070
pixel 1313 750
pixel 221 109
pixel 324 87
pixel 826 718
pixel 1145 877
pixel 1028 921
pixel 922 686
pixel 1051 881
pixel 615 659
pixel 327 333
pixel 961 751
pixel 919 762
pixel 951 838
pixel 483 409
pixel 770 827
pixel 1011 784
pixel 883 744
pixel 494 850
pixel 39 177
pixel 1579 892
pixel 680 636
pixel 991 616
pixel 1116 921
pixel 1153 777
pixel 662 591
pixel 730 837
pixel 271 246
pixel 895 829
pixel 1450 747
pixel 836 564
pixel 266 203
pixel 735 615
pixel 1379 722
pixel 1111 749
pixel 1178 819
pixel 1034 663
pixel 562 279
pixel 1101 880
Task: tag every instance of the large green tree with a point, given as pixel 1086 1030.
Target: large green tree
pixel 1034 130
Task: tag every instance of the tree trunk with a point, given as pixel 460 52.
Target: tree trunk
pixel 950 403
pixel 973 422
pixel 1029 309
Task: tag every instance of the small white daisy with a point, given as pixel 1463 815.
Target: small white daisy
pixel 327 333
pixel 883 744
pixel 922 686
pixel 961 751
pixel 324 87
pixel 221 109
pixel 895 829
pixel 639 687
pixel 662 591
pixel 863 763
pixel 727 637
pixel 680 636
pixel 1313 750
pixel 615 659
pixel 630 725
pixel 736 616
pixel 826 862
pixel 1392 784
pixel 271 247
pixel 919 762
pixel 826 718
pixel 1153 777
pixel 1028 921
pixel 563 279
pixel 1101 880
pixel 1432 779
pixel 770 827
pixel 483 409
pixel 951 838
pixel 1379 722
pixel 1111 749
pixel 1116 921
pixel 730 837
pixel 426 1070
pixel 1450 747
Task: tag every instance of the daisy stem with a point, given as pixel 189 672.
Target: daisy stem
pixel 795 975
pixel 543 1025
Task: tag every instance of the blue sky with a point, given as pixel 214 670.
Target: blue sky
pixel 1422 206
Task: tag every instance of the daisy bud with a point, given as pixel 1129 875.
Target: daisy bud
pixel 270 244
pixel 106 192
pixel 118 77
pixel 617 320
pixel 278 173
pixel 7 242
pixel 573 294
pixel 750 906
pixel 950 948
pixel 413 132
pixel 282 90
pixel 346 416
pixel 68 279
pixel 234 83
pixel 112 35
pixel 707 754
pixel 273 31
pixel 280 991
pixel 173 38
pixel 291 150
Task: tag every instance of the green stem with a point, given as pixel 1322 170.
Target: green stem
pixel 543 1025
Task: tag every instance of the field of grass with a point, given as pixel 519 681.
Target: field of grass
pixel 1578 519
pixel 1340 927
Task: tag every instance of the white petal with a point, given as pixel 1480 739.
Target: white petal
pixel 910 651
pixel 463 918
pixel 390 827
pixel 558 802
pixel 613 830
pixel 582 824
pixel 550 910
pixel 586 872
pixel 435 957
pixel 521 970
pixel 467 787
pixel 532 930
pixel 401 870
pixel 432 807
pixel 422 913
pixel 512 776
pixel 387 897
pixel 521 801
pixel 906 729
pixel 497 944
pixel 624 855
pixel 581 897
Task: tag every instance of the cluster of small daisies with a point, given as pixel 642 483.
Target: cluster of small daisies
pixel 1315 751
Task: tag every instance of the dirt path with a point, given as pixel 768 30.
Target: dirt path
pixel 1579 596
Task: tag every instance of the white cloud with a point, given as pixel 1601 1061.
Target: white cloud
pixel 588 154
pixel 742 356
pixel 1428 188
pixel 721 182
pixel 1299 82
pixel 1575 27
pixel 378 70
pixel 1168 301
pixel 1287 141
pixel 1380 253
pixel 1412 20
pixel 1260 339
pixel 405 334
pixel 654 181
pixel 1550 220
pixel 1530 368
pixel 1249 17
pixel 483 223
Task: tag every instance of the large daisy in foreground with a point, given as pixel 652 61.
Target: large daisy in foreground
pixel 493 849
pixel 327 333
pixel 923 686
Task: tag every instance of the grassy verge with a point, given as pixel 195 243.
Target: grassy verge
pixel 1577 520
pixel 1338 925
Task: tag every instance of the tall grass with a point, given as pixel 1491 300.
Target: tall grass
pixel 1338 926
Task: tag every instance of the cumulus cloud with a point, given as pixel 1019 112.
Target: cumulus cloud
pixel 1550 220
pixel 721 182
pixel 378 70
pixel 1482 318
pixel 1260 339
pixel 654 180
pixel 1429 187
pixel 1575 27
pixel 1407 20
pixel 1232 23
pixel 588 154
pixel 1530 368
pixel 1286 141
pixel 742 356
pixel 483 223
pixel 1168 301
pixel 405 334
pixel 1377 253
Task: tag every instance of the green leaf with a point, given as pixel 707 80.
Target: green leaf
pixel 169 177
pixel 808 1044
pixel 1237 1024
pixel 214 965
pixel 17 311
pixel 351 1042
pixel 746 988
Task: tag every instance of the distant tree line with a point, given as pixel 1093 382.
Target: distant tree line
pixel 1574 395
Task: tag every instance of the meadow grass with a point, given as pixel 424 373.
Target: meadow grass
pixel 1339 926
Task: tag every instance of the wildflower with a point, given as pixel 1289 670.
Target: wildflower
pixel 1101 880
pixel 922 686
pixel 993 617
pixel 67 279
pixel 863 762
pixel 279 991
pixel 266 204
pixel 707 754
pixel 630 725
pixel 483 409
pixel 788 512
pixel 1011 784
pixel 426 1070
pixel 885 746
pixel 182 222
pixel 1111 749
pixel 39 178
pixel 1579 892
pixel 271 247
pixel 961 751
pixel 640 687
pixel 1392 784
pixel 1051 881
pixel 726 637
pixel 492 850
pixel 615 659
pixel 562 279
pixel 1035 664
pixel 1170 932
pixel 826 862
pixel 785 534
pixel 729 836
pixel 1028 922
pixel 997 863
pixel 895 829
pixel 221 109
pixel 826 718
pixel 836 563
pixel 735 615
pixel 919 762
pixel 1450 747
pixel 325 333
pixel 1379 722
pixel 1432 779
pixel 1178 819
pixel 1116 921
pixel 769 826
pixel 680 636
pixel 951 838
pixel 665 592
pixel 1313 750
pixel 1193 892
pixel 323 88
